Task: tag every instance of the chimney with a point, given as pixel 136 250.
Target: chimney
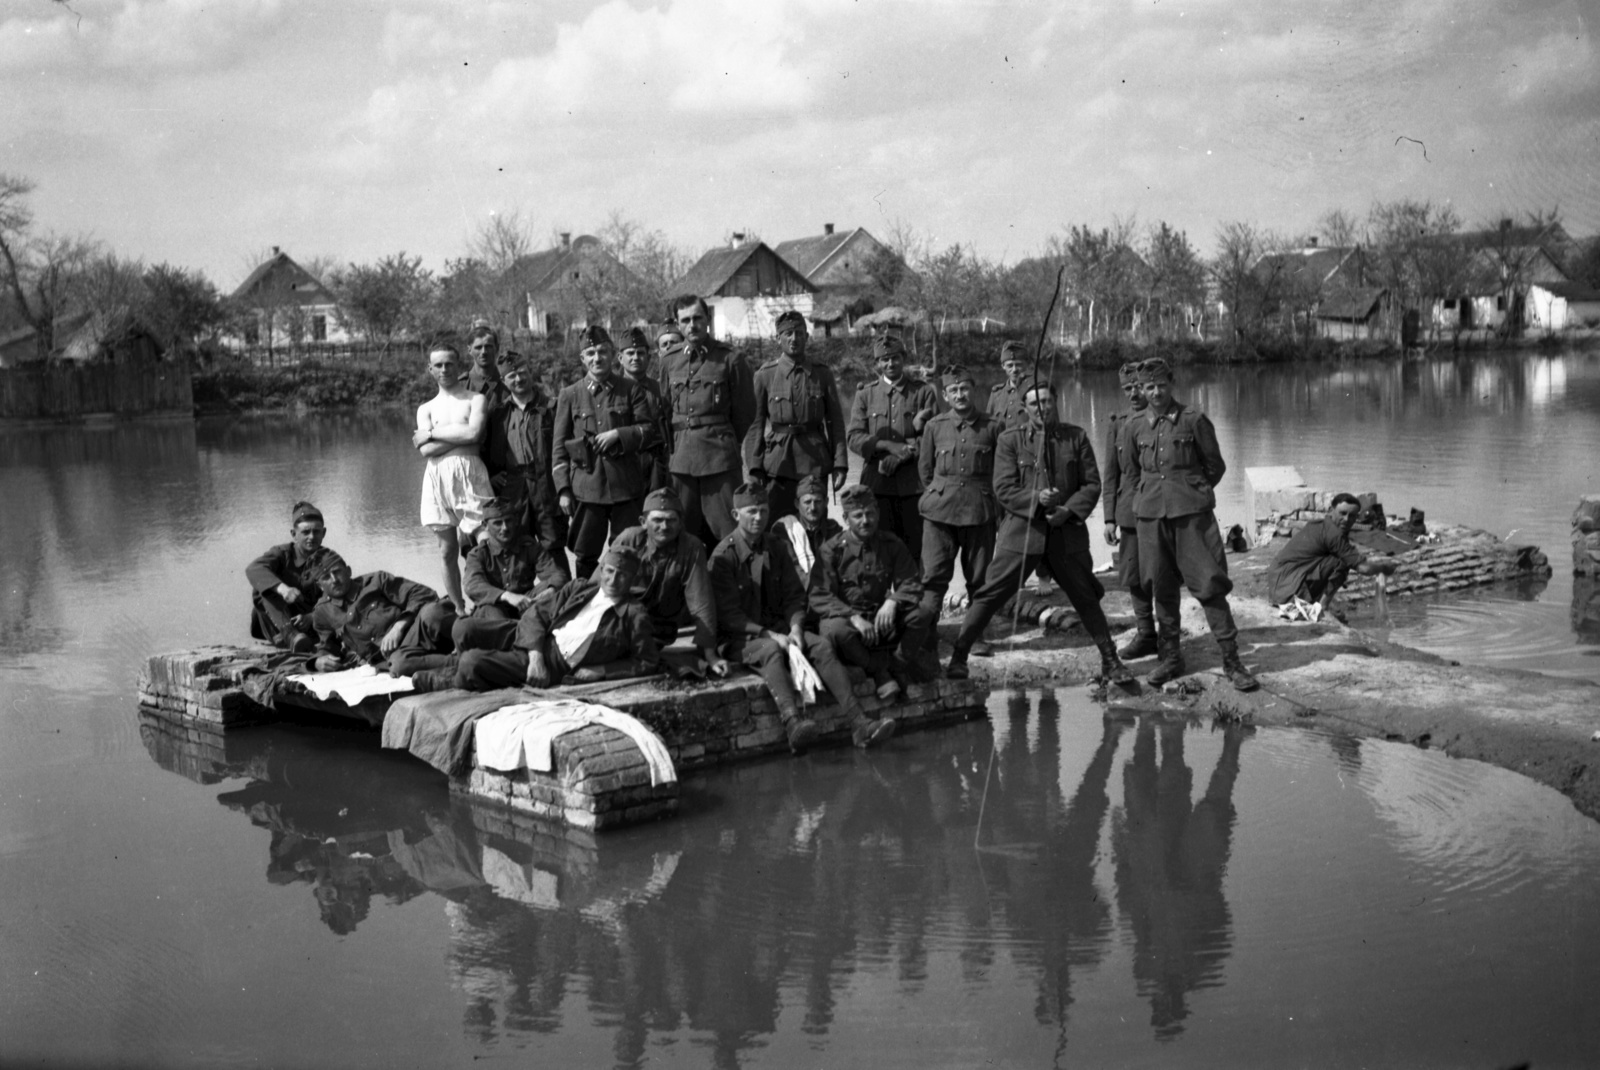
pixel 1311 242
pixel 275 250
pixel 827 228
pixel 566 239
pixel 736 240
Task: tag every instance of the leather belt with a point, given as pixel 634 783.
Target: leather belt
pixel 680 423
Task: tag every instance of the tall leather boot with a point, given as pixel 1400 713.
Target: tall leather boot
pixel 1240 677
pixel 1171 666
pixel 1112 671
pixel 1142 645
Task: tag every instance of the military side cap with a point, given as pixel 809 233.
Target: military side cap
pixel 328 564
pixel 749 494
pixel 1155 370
pixel 1013 348
pixel 857 497
pixel 593 335
pixel 621 557
pixel 303 511
pixel 1027 386
pixel 953 375
pixel 1128 373
pixel 499 509
pixel 510 358
pixel 662 500
pixel 789 322
pixel 885 344
pixel 812 484
pixel 635 338
pixel 669 331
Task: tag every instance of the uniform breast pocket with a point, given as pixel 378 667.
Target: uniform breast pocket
pixel 783 408
pixel 1184 452
pixel 982 460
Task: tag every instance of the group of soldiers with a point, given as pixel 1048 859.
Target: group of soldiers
pixel 637 475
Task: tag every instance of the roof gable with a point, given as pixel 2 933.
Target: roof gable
pixel 281 280
pixel 710 275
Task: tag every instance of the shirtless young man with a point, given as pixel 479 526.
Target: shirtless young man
pixel 455 485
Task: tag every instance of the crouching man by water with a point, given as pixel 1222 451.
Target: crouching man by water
pixel 1318 559
pixel 592 629
pixel 761 609
pixel 867 592
pixel 283 582
pixel 379 619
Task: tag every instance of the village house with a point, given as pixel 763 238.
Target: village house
pixel 1321 287
pixel 1501 266
pixel 847 268
pixel 561 288
pixel 286 306
pixel 746 286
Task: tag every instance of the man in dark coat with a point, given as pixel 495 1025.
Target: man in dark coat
pixel 1005 399
pixel 1318 558
pixel 1046 480
pixel 808 527
pixel 602 423
pixel 634 359
pixel 673 584
pixel 1174 458
pixel 505 571
pixel 956 464
pixel 708 390
pixel 761 609
pixel 517 450
pixel 283 582
pixel 866 591
pixel 592 629
pixel 382 620
pixel 886 420
pixel 798 428
pixel 484 376
pixel 1122 524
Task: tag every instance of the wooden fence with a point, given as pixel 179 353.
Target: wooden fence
pixel 46 390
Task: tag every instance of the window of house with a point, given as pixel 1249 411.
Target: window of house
pixel 1500 303
pixel 1450 302
pixel 252 333
pixel 319 328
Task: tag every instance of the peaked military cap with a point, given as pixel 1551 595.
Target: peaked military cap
pixel 789 322
pixel 885 344
pixel 663 500
pixel 857 497
pixel 749 494
pixel 811 484
pixel 593 335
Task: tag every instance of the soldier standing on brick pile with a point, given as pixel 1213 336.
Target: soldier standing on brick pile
pixel 1174 460
pixel 956 463
pixel 674 583
pixel 798 428
pixel 866 591
pixel 634 361
pixel 517 449
pixel 382 620
pixel 1122 524
pixel 886 420
pixel 1046 480
pixel 504 573
pixel 283 582
pixel 592 629
pixel 484 376
pixel 602 424
pixel 708 388
pixel 1005 399
pixel 808 527
pixel 1318 558
pixel 761 610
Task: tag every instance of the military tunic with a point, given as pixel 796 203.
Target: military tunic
pixel 1005 406
pixel 712 406
pixel 271 618
pixel 487 381
pixel 623 643
pixel 956 463
pixel 854 576
pixel 883 432
pixel 1029 460
pixel 352 626
pixel 1175 462
pixel 653 458
pixel 518 451
pixel 609 486
pixel 798 427
pixel 520 566
pixel 1118 492
pixel 674 585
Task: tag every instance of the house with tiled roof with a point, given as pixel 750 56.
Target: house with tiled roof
pixel 287 305
pixel 563 287
pixel 844 265
pixel 747 285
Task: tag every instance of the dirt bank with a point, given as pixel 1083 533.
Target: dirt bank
pixel 1335 678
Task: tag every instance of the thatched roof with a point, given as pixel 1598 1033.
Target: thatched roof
pixel 1356 304
pixel 893 316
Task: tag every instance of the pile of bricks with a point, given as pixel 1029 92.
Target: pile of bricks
pixel 201 689
pixel 1463 557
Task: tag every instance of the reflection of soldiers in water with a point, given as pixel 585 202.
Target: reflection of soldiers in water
pixel 1586 610
pixel 1170 862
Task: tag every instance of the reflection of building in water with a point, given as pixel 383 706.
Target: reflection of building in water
pixel 1586 609
pixel 1170 862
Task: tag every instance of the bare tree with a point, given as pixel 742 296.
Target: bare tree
pixel 1176 280
pixel 42 272
pixel 1414 254
pixel 1340 229
pixel 501 240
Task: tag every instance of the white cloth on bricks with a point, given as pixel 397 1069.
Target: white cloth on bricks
pixel 352 685
pixel 806 681
pixel 523 736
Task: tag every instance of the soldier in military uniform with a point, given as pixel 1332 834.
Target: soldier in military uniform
pixel 809 526
pixel 518 443
pixel 602 422
pixel 708 388
pixel 484 375
pixel 1122 525
pixel 503 574
pixel 1174 460
pixel 283 582
pixel 1005 406
pixel 673 583
pixel 634 360
pixel 956 463
pixel 866 590
pixel 380 619
pixel 1046 479
pixel 798 428
pixel 886 420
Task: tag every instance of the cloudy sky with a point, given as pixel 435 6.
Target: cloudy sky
pixel 199 132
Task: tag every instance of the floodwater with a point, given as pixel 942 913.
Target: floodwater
pixel 1107 892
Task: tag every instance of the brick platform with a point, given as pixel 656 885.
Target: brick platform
pixel 201 688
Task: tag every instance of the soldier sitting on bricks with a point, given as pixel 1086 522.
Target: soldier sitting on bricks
pixel 867 593
pixel 673 582
pixel 381 620
pixel 504 573
pixel 761 609
pixel 1045 478
pixel 283 582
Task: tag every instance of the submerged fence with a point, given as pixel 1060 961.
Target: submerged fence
pixel 60 390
